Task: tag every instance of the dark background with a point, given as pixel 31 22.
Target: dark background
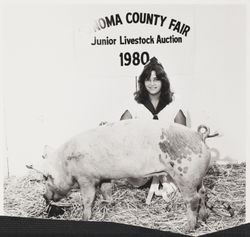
pixel 16 226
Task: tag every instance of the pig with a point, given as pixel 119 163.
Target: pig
pixel 131 149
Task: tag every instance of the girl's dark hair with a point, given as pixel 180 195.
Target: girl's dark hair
pixel 142 94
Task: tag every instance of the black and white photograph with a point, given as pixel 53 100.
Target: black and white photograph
pixel 129 113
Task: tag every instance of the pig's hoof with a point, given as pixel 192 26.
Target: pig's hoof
pixel 204 217
pixel 188 228
pixel 86 216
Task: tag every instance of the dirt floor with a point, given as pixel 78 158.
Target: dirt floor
pixel 225 192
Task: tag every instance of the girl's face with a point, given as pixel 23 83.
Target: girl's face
pixel 153 84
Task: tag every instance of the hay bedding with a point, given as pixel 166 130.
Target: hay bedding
pixel 226 199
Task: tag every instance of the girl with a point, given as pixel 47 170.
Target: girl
pixel 154 97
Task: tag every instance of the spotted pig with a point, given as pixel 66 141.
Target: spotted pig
pixel 130 149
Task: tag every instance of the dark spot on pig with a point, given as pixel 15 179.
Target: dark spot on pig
pixel 179 161
pixel 199 187
pixel 173 157
pixel 163 147
pixel 180 169
pixel 182 156
pixel 74 156
pixel 69 158
pixel 194 204
pixel 171 163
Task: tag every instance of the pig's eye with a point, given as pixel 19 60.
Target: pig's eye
pixel 45 177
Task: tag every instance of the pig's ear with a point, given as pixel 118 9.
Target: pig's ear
pixel 47 150
pixel 38 171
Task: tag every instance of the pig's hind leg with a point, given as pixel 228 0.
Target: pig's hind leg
pixel 192 199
